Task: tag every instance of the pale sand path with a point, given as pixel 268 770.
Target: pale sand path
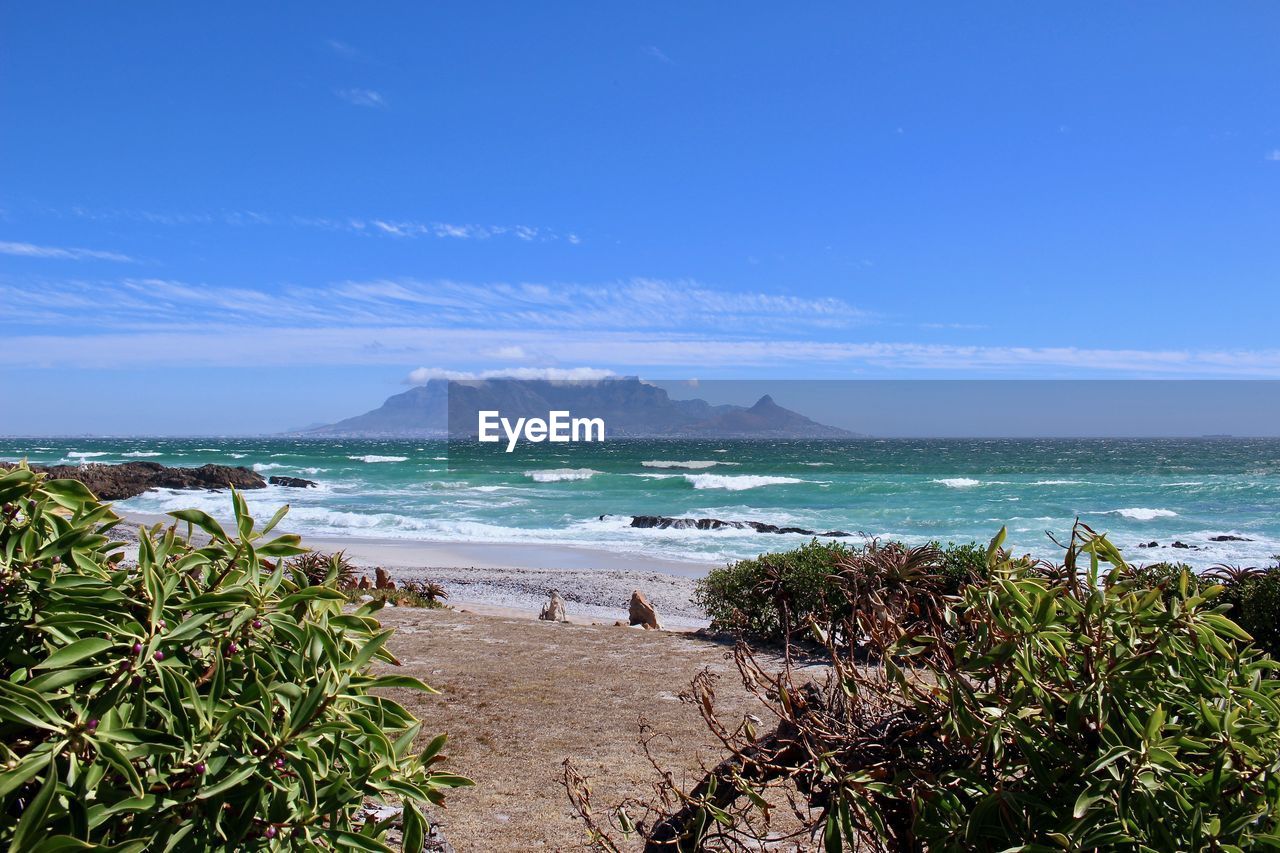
pixel 517 697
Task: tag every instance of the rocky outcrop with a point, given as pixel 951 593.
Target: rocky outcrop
pixel 554 610
pixel 130 479
pixel 641 612
pixel 382 580
pixel 1229 538
pixel 292 482
pixel 663 522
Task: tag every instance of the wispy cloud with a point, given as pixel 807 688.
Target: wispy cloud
pixel 31 250
pixel 637 326
pixel 362 97
pixel 423 375
pixel 638 303
pixel 1274 155
pixel 367 225
pixel 655 52
pixel 447 230
pixel 648 353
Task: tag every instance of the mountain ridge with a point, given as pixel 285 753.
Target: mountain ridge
pixel 630 408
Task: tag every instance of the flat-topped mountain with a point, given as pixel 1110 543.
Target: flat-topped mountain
pixel 630 409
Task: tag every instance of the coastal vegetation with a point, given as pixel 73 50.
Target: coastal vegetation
pixel 316 569
pixel 1084 705
pixel 407 594
pixel 773 596
pixel 193 696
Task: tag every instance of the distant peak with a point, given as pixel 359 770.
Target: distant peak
pixel 765 402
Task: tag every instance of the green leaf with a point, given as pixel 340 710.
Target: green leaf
pixel 202 520
pixel 414 828
pixel 75 652
pixel 33 817
pixel 51 681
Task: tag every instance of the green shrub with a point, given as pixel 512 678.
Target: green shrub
pixel 961 565
pixel 1254 597
pixel 1078 709
pixel 745 595
pixel 196 699
pixel 752 596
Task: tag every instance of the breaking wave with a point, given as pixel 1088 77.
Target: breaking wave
pixel 737 482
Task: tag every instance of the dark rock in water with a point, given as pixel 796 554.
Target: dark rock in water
pixel 292 482
pixel 130 479
pixel 1151 544
pixel 663 522
pixel 1229 538
pixel 1186 546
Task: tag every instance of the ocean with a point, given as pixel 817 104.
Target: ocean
pixel 958 490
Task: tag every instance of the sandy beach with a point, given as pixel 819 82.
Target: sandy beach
pixel 518 579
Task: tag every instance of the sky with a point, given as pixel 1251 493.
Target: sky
pixel 243 218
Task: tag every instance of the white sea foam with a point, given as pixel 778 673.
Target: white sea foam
pixel 267 466
pixel 688 463
pixel 237 455
pixel 817 464
pixel 1056 483
pixel 557 475
pixel 89 454
pixel 143 453
pixel 958 482
pixel 737 482
pixel 1142 513
pixel 375 458
pixel 209 449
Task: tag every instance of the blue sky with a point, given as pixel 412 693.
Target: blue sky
pixel 249 217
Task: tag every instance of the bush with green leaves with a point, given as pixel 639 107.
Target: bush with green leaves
pixel 1071 707
pixel 1254 595
pixel 776 593
pixel 745 595
pixel 194 698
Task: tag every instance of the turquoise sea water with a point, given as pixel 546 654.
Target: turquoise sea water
pixel 916 490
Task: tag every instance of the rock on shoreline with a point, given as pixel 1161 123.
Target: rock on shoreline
pixel 663 522
pixel 130 479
